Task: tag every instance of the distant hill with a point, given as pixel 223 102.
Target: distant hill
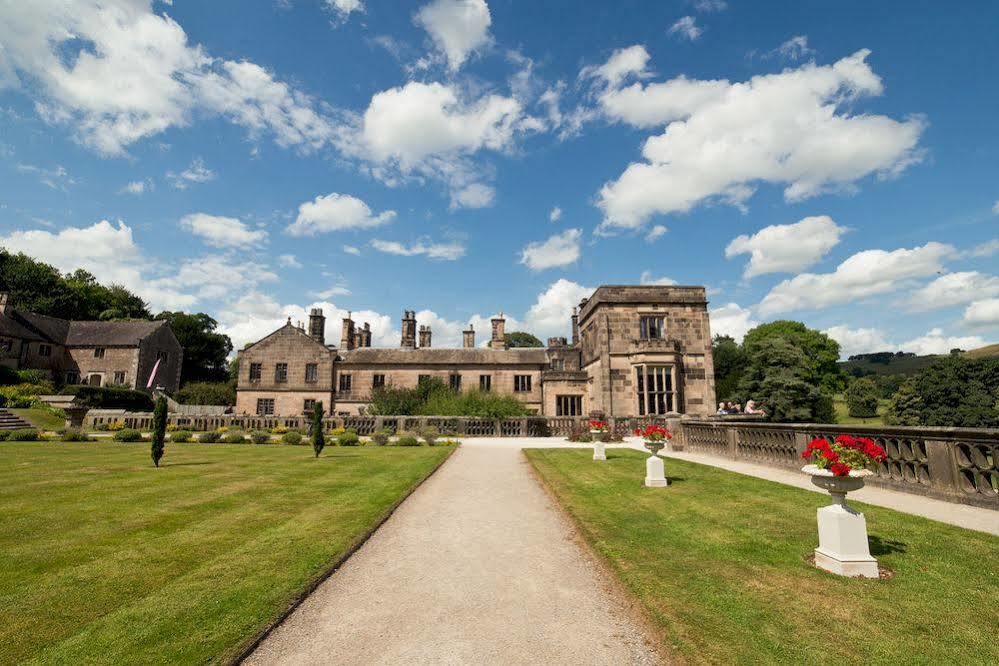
pixel 903 363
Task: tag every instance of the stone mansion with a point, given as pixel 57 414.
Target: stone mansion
pixel 635 351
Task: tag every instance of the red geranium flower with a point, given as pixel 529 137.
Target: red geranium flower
pixel 839 469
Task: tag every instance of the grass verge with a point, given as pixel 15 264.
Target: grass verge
pixel 42 419
pixel 718 561
pixel 104 558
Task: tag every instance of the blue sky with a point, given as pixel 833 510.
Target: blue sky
pixel 833 164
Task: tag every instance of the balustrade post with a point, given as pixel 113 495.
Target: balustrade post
pixel 942 466
pixel 801 440
pixel 732 441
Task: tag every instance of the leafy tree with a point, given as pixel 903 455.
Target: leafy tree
pixel 522 339
pixel 159 429
pixel 862 398
pixel 318 437
pixel 905 407
pixel 206 350
pixel 821 351
pixel 780 375
pixel 730 362
pixel 207 393
pixel 38 287
pixel 956 391
pixel 888 385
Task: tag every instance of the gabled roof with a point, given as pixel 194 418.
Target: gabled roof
pixel 52 328
pixel 289 328
pixel 110 333
pixel 460 356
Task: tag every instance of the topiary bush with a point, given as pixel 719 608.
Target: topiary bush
pixel 102 397
pixel 292 438
pixel 181 436
pixel 408 440
pixel 260 437
pixel 23 435
pixel 233 438
pixel 209 437
pixel 128 435
pixel 159 431
pixel 862 398
pixel 430 435
pixel 349 438
pixel 381 437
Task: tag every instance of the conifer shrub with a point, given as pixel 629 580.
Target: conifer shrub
pixel 381 437
pixel 74 435
pixel 128 435
pixel 159 431
pixel 24 435
pixel 260 437
pixel 349 438
pixel 209 437
pixel 233 437
pixel 180 436
pixel 292 438
pixel 408 440
pixel 318 438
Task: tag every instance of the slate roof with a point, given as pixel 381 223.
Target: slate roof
pixel 32 326
pixel 461 356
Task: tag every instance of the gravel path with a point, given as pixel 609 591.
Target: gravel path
pixel 477 566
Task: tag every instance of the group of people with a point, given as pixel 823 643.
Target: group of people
pixel 736 408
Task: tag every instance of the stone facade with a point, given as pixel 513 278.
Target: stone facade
pixel 634 351
pixel 90 352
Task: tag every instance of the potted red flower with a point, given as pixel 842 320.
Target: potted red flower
pixel 598 427
pixel 840 467
pixel 597 431
pixel 655 437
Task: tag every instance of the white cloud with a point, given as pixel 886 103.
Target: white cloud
pixel 115 72
pixel 343 8
pixel 623 63
pixel 982 314
pixel 659 103
pixel 686 28
pixel 222 232
pixel 786 248
pixel 457 27
pixel 288 261
pixel 864 274
pixel 986 249
pixel 444 251
pixel 138 187
pixel 555 215
pixel 336 212
pixel 551 312
pixel 648 278
pixel 731 319
pixel 935 342
pixel 197 172
pixel 954 289
pixel 995 208
pixel 559 250
pixel 793 128
pixel 334 290
pixel 350 249
pixel 57 178
pixel 475 195
pixel 656 232
pixel 710 5
pixel 858 340
pixel 795 48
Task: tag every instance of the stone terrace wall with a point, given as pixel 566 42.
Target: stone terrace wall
pixel 955 464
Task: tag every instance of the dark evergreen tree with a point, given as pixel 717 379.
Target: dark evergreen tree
pixel 206 350
pixel 159 430
pixel 905 407
pixel 730 362
pixel 318 437
pixel 522 339
pixel 780 376
pixel 862 398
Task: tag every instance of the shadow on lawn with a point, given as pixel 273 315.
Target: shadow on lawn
pixel 186 464
pixel 881 546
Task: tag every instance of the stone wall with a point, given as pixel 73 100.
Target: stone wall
pixel 292 346
pixel 116 359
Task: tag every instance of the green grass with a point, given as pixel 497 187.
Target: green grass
pixel 843 412
pixel 42 419
pixel 718 562
pixel 106 559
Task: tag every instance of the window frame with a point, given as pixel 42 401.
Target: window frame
pixel 664 397
pixel 311 373
pixel 573 401
pixel 259 368
pixel 268 406
pixel 454 381
pixel 485 383
pixel 124 377
pixel 378 380
pixel 522 383
pixel 44 350
pixel 99 352
pixel 652 332
pixel 345 383
pixel 308 408
pixel 280 373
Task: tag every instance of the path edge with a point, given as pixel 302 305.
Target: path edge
pixel 626 597
pixel 250 647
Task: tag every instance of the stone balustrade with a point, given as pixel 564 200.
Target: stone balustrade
pixel 955 464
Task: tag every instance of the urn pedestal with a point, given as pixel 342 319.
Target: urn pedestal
pixel 843 547
pixel 599 449
pixel 655 470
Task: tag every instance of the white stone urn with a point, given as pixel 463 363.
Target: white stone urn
pixel 599 449
pixel 655 471
pixel 843 547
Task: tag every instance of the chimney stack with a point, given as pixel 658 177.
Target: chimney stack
pixel 366 335
pixel 468 337
pixel 575 327
pixel 557 342
pixel 408 330
pixel 317 325
pixel 347 334
pixel 425 337
pixel 499 330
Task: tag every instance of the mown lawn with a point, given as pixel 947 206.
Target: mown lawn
pixel 718 562
pixel 843 412
pixel 105 559
pixel 42 419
